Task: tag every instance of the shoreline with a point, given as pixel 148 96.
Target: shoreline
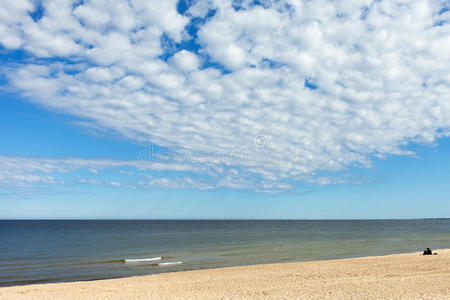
pixel 212 268
pixel 406 275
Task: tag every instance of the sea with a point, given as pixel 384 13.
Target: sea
pixel 42 251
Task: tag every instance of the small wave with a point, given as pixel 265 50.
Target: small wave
pixel 136 260
pixel 164 264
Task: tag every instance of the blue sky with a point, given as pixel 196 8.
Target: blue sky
pixel 224 109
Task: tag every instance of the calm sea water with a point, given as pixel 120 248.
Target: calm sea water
pixel 53 251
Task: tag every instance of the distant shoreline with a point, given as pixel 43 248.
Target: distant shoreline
pixel 400 276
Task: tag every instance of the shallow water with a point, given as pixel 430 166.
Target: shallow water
pixel 54 251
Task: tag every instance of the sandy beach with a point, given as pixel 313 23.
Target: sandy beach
pixel 399 276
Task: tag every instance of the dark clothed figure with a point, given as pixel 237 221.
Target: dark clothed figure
pixel 427 252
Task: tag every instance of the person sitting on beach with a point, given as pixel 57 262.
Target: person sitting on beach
pixel 427 252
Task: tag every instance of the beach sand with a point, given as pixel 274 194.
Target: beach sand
pixel 400 276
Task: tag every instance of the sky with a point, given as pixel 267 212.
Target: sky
pixel 224 109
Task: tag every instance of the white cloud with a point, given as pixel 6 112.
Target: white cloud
pixel 199 8
pixel 185 60
pixel 186 172
pixel 379 69
pixel 97 74
pixel 114 183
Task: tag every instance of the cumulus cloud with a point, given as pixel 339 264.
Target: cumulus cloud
pixel 186 61
pixel 328 84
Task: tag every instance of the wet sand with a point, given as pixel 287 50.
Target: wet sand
pixel 399 276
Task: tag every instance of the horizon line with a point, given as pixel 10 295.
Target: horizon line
pixel 218 219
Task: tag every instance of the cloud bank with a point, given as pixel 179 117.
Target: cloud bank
pixel 20 173
pixel 328 84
